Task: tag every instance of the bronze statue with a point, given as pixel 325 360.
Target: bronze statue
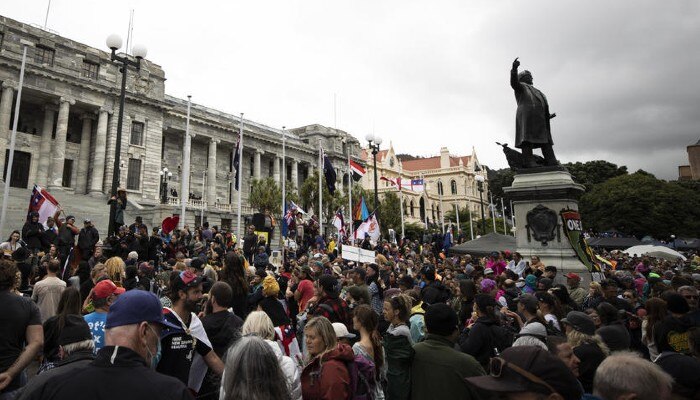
pixel 532 128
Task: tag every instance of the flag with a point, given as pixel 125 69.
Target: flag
pixel 237 162
pixel 360 213
pixel 43 203
pixel 329 173
pixel 392 182
pixel 370 226
pixel 339 223
pixel 357 171
pixel 296 208
pixel 416 185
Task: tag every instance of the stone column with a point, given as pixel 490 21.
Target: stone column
pixel 59 147
pixel 45 145
pixel 256 164
pixel 276 170
pixel 98 162
pixel 84 157
pixel 8 93
pixel 211 172
pixel 295 174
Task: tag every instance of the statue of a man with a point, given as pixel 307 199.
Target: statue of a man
pixel 532 118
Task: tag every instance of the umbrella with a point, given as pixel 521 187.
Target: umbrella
pixel 655 251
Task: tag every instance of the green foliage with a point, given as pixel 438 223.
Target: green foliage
pixel 639 204
pixel 308 196
pixel 594 172
pixel 291 193
pixel 390 213
pixel 413 230
pixel 266 195
pixel 498 179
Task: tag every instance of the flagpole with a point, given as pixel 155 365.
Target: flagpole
pixel 442 215
pixel 493 211
pixel 457 213
pixel 240 178
pixel 13 138
pixel 471 226
pixel 512 216
pixel 185 177
pixel 284 197
pixel 320 188
pixel 349 192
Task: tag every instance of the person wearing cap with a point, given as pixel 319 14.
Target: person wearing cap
pixel 438 370
pixel 528 372
pixel 123 369
pixel 87 239
pixel 102 296
pixel 76 350
pixel 329 304
pixel 588 347
pixel 186 349
pixel 576 292
pixel 342 334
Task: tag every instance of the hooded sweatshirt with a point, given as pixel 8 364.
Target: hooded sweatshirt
pixel 326 377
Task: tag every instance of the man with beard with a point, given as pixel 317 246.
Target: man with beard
pixel 187 352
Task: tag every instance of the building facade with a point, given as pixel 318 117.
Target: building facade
pixel 692 170
pixel 450 183
pixel 67 130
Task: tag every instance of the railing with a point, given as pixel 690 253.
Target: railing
pixel 198 204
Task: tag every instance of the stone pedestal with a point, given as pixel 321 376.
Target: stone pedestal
pixel 542 195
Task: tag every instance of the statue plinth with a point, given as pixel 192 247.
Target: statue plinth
pixel 539 196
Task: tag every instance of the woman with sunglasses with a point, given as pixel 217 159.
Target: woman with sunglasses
pixel 398 346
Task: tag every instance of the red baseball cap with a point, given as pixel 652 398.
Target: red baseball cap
pixel 573 275
pixel 106 288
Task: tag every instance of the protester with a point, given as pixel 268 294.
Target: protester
pixel 478 339
pixel 325 375
pixel 625 375
pixel 613 332
pixel 102 297
pixel 366 322
pixel 69 304
pixel 47 292
pixel 588 347
pixel 559 347
pixel 398 346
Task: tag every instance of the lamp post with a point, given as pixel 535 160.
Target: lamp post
pixel 165 177
pixel 114 42
pixel 480 185
pixel 374 142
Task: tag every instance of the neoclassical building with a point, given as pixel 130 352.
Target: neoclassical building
pixel 67 129
pixel 450 183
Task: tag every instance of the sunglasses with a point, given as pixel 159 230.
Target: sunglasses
pixel 497 364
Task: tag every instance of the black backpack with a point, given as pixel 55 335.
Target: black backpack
pixel 502 338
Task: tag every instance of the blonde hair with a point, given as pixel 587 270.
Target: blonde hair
pixel 577 338
pixel 259 323
pixel 98 270
pixel 180 266
pixel 270 287
pixel 115 270
pixel 596 288
pixel 324 329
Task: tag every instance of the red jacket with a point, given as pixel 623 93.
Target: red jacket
pixel 331 381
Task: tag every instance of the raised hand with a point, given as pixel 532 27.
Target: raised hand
pixel 516 63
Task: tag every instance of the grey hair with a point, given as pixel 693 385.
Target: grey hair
pixel 687 288
pixel 253 372
pixel 71 348
pixel 626 373
pixel 529 341
pixel 259 323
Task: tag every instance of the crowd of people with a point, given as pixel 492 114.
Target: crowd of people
pixel 203 314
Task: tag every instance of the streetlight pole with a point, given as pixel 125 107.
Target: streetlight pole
pixel 165 176
pixel 480 185
pixel 114 42
pixel 374 142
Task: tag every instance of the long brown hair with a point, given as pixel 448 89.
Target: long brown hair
pixel 69 303
pixel 370 321
pixel 233 273
pixel 656 311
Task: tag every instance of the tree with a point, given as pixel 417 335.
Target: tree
pixel 291 193
pixel 308 195
pixel 639 204
pixel 594 172
pixel 390 213
pixel 414 230
pixel 266 195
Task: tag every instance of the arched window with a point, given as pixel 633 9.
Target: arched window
pixel 412 208
pixel 453 185
pixel 439 185
pixel 405 209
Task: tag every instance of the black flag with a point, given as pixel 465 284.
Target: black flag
pixel 329 173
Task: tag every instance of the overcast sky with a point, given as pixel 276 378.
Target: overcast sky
pixel 622 76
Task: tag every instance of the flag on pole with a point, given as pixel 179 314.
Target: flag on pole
pixel 329 173
pixel 339 223
pixel 237 162
pixel 416 185
pixel 43 203
pixel 296 208
pixel 360 213
pixel 392 182
pixel 370 226
pixel 357 171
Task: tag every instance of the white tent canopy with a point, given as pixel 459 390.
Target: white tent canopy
pixel 655 251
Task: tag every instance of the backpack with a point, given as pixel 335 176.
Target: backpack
pixel 502 338
pixel 363 382
pixel 552 330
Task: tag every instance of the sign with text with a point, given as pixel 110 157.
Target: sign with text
pixel 573 228
pixel 357 254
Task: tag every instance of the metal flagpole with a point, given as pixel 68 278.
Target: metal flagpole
pixel 320 188
pixel 503 210
pixel 512 216
pixel 240 179
pixel 349 213
pixel 284 188
pixel 185 178
pixel 457 214
pixel 442 215
pixel 493 211
pixel 471 225
pixel 13 138
pixel 204 180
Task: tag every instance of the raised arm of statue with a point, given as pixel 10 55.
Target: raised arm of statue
pixel 514 82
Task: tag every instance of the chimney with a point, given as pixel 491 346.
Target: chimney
pixel 444 157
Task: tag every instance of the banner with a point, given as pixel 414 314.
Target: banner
pixel 43 203
pixel 357 254
pixel 573 228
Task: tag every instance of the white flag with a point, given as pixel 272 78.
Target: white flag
pixel 369 226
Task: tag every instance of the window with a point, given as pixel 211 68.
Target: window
pixel 439 185
pixel 67 173
pixel 133 176
pixel 137 133
pixel 453 184
pixel 90 70
pixel 43 55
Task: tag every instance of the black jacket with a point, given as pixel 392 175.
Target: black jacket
pixel 117 373
pixel 49 237
pixel 65 368
pixel 88 238
pixel 223 328
pixel 478 342
pixel 32 233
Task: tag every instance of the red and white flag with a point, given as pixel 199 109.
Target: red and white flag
pixel 370 227
pixel 43 203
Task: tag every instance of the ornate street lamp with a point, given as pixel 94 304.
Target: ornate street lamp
pixel 480 185
pixel 165 177
pixel 374 142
